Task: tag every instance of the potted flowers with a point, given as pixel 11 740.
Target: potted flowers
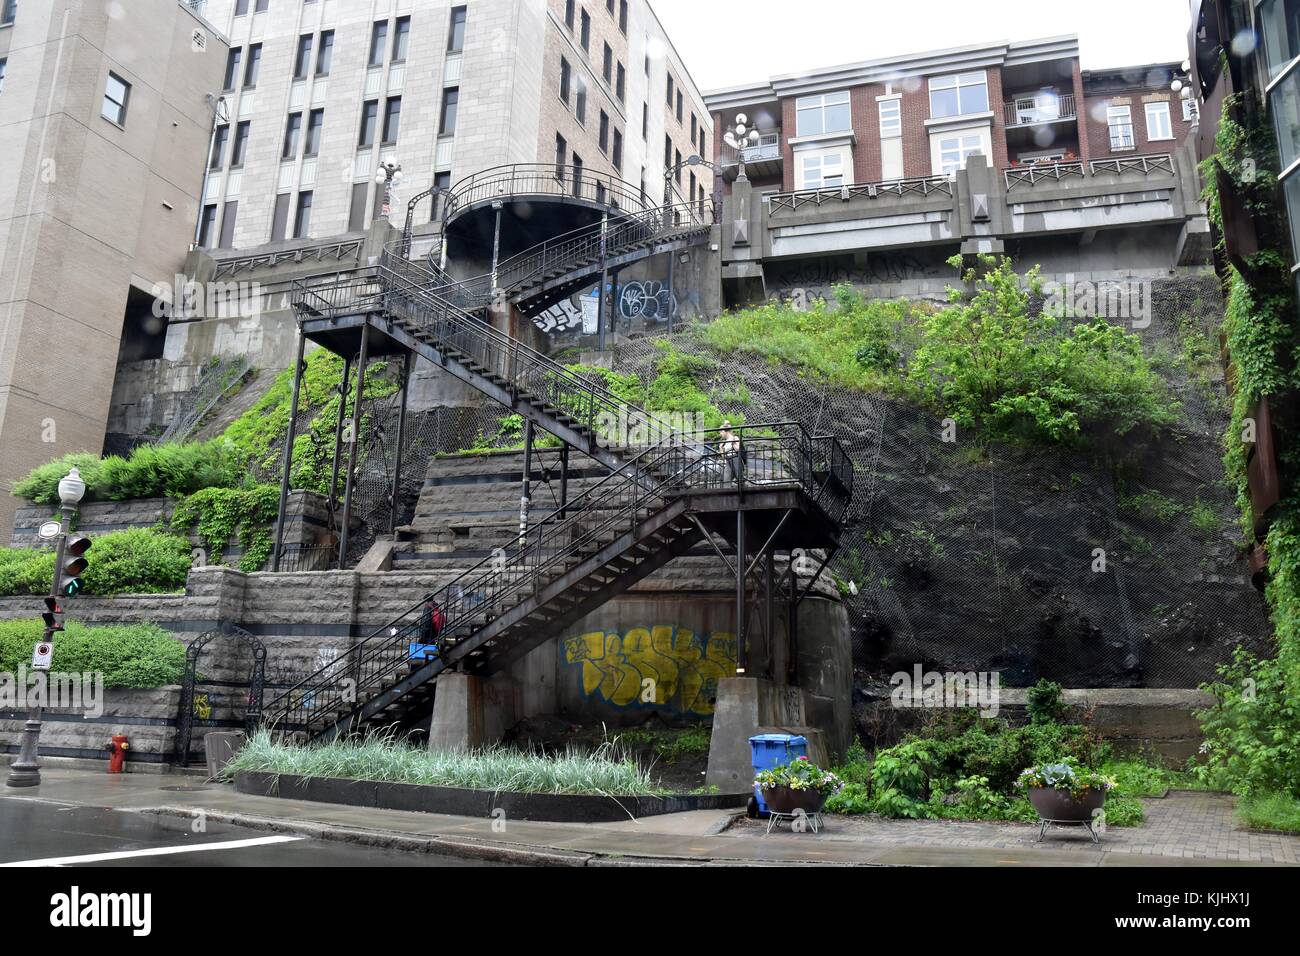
pixel 798 786
pixel 1063 793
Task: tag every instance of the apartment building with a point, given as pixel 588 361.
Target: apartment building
pixel 105 124
pixel 925 114
pixel 319 93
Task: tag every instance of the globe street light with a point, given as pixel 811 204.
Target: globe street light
pixel 388 176
pixel 740 137
pixel 26 770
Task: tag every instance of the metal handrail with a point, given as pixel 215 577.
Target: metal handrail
pixel 1039 108
pixel 815 197
pixel 542 179
pixel 774 455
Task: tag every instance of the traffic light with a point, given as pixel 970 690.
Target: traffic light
pixel 74 564
pixel 53 615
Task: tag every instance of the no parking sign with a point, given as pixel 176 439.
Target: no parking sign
pixel 41 655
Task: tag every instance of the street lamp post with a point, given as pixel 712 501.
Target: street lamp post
pixel 740 137
pixel 26 770
pixel 388 175
pixel 1182 85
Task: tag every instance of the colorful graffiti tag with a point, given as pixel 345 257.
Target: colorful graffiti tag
pixel 663 666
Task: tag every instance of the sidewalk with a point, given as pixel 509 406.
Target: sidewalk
pixel 1183 829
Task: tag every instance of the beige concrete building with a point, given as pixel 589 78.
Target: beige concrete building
pixel 105 125
pixel 319 93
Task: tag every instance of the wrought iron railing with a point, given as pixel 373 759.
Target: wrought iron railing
pixel 1041 108
pixel 1034 173
pixel 542 179
pixel 793 201
pixel 349 249
pixel 771 456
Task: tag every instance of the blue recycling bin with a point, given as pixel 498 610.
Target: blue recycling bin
pixel 774 750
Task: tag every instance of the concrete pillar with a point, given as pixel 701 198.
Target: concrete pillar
pixel 747 706
pixel 457 713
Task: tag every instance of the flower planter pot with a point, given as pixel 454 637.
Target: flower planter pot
pixel 1060 806
pixel 788 800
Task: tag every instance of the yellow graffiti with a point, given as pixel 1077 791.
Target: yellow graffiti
pixel 202 707
pixel 664 666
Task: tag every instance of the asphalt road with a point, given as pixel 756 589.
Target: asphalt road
pixel 35 833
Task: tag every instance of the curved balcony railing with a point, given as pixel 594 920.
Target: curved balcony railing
pixel 543 179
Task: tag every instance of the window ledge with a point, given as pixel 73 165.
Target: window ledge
pixel 962 119
pixel 825 138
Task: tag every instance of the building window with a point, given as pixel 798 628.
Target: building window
pixel 207 226
pixel 217 160
pixel 456 35
pixel 261 5
pixel 369 115
pixel 690 190
pixel 392 119
pixel 645 121
pixel 302 218
pixel 1120 122
pixel 253 67
pixel 618 150
pixel 291 130
pixel 959 95
pixel 315 120
pixel 828 113
pixel 357 208
pixel 891 118
pixel 695 128
pixel 570 11
pixel 232 68
pixel 302 60
pixel 1284 104
pixel 622 16
pixel 580 102
pixel 325 53
pixel 1279 22
pixel 955 150
pixel 4 62
pixel 704 153
pixel 586 31
pixel 604 132
pixel 577 175
pixel 441 181
pixel 680 105
pixel 609 5
pixel 280 217
pixel 561 156
pixel 620 84
pixel 607 65
pixel 228 213
pixel 241 144
pixel 401 38
pixel 450 107
pixel 8 10
pixel 823 171
pixel 378 40
pixel 1159 125
pixel 668 151
pixel 117 92
pixel 677 164
pixel 566 77
pixel 670 90
pixel 241 7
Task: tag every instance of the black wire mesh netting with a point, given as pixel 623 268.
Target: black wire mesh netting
pixel 961 556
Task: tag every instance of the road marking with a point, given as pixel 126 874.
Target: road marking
pixel 154 851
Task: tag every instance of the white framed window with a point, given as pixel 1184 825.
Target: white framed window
pixel 1158 123
pixel 822 171
pixel 117 92
pixel 1191 110
pixel 827 113
pixel 891 117
pixel 1120 121
pixel 954 150
pixel 959 94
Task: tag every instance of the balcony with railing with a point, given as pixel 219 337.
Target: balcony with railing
pixel 764 158
pixel 1039 109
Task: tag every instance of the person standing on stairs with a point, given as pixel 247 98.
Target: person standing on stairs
pixel 732 451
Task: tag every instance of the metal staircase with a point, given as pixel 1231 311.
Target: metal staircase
pixel 656 507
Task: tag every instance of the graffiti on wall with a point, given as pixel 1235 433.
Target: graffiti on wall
pixel 650 300
pixel 662 666
pixel 568 315
pixel 883 267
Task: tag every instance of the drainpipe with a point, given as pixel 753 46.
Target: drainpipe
pixel 218 106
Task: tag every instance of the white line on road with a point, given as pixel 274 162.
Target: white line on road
pixel 154 851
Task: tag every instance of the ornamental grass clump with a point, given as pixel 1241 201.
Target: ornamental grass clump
pixel 606 771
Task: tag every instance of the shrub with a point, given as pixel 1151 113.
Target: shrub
pixel 218 514
pixel 135 561
pixel 129 655
pixel 1043 702
pixel 990 364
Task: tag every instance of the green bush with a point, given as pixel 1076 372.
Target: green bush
pixel 218 514
pixel 1270 811
pixel 991 365
pixel 129 655
pixel 1043 702
pixel 136 561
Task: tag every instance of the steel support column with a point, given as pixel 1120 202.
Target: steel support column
pixel 288 450
pixel 350 481
pixel 526 498
pixel 564 480
pixel 742 650
pixel 401 443
pixel 338 439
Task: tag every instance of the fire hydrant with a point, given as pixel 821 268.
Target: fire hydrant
pixel 117 748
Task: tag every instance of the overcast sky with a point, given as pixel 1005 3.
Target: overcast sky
pixel 735 42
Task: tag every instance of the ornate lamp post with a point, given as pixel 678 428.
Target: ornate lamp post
pixel 740 137
pixel 26 770
pixel 1182 85
pixel 388 176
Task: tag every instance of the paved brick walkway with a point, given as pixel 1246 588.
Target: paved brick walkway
pixel 1185 824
